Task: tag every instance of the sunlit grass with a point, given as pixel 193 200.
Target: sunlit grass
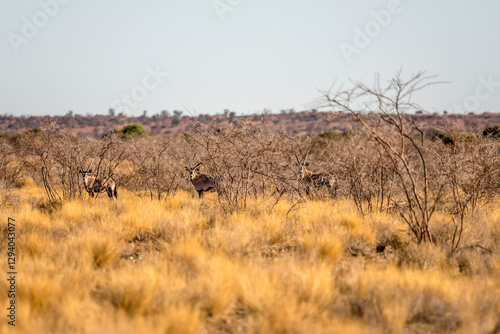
pixel 184 265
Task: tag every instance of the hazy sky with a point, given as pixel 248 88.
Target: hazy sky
pixel 244 55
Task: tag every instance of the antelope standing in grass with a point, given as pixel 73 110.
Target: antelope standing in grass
pixel 314 180
pixel 201 182
pixel 95 185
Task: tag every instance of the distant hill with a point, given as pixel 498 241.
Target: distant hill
pixel 299 123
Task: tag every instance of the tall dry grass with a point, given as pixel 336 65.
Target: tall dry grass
pixel 182 265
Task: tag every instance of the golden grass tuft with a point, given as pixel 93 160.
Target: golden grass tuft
pixel 105 250
pixel 326 247
pixel 183 265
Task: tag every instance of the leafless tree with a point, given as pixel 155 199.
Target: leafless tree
pixel 155 164
pixel 398 137
pixel 10 169
pixel 36 149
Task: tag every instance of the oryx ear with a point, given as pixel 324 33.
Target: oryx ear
pixel 186 169
pixel 80 171
pixel 89 171
pixel 306 164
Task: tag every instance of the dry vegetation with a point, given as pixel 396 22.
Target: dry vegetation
pixel 183 266
pixel 408 243
pixel 301 123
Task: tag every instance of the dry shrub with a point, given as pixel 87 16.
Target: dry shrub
pixel 423 257
pixel 155 167
pixel 390 233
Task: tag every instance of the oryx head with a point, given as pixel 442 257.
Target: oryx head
pixel 302 164
pixel 85 172
pixel 193 172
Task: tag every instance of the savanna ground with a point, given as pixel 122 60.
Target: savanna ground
pixel 184 266
pixel 406 241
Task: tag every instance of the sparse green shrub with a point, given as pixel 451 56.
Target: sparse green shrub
pixel 330 135
pixel 350 133
pixel 131 130
pixel 493 131
pixel 452 137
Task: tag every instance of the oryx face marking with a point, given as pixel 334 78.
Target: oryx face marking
pixel 85 176
pixel 193 172
pixel 94 185
pixel 302 165
pixel 314 180
pixel 302 169
pixel 85 173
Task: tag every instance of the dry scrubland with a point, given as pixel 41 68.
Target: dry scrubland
pixel 301 123
pixel 184 266
pixel 407 241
